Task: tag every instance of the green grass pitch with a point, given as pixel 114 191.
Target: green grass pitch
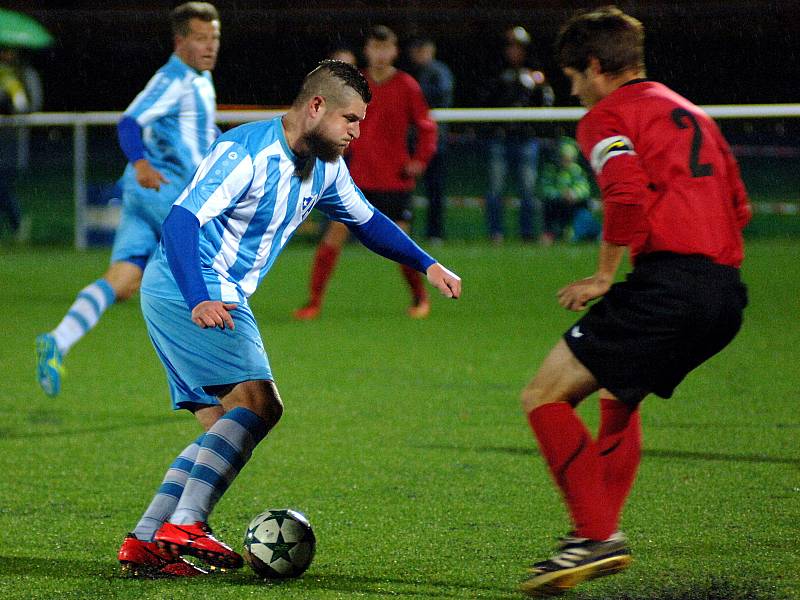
pixel 402 441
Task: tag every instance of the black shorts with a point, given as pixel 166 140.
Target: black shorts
pixel 395 205
pixel 672 313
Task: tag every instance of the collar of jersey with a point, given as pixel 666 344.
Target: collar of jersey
pixel 284 144
pixel 176 60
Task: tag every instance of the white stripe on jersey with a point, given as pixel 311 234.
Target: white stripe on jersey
pixel 188 129
pixel 286 168
pixel 243 214
pixel 205 166
pixel 608 148
pixel 162 105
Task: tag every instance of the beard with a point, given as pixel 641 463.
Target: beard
pixel 321 147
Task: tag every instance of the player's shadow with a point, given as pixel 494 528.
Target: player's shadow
pixel 414 587
pixel 46 429
pixel 35 567
pixel 650 453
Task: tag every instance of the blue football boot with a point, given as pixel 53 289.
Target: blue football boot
pixel 49 364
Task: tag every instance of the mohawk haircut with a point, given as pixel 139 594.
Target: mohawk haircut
pixel 181 15
pixel 614 38
pixel 331 80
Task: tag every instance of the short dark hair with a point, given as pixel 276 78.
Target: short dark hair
pixel 181 15
pixel 329 79
pixel 381 33
pixel 615 39
pixel 421 41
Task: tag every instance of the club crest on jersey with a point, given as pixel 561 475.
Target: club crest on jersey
pixel 306 206
pixel 608 148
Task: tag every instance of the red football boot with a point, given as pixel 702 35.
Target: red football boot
pixel 146 559
pixel 196 540
pixel 309 312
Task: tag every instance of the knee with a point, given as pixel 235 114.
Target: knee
pixel 124 291
pixel 125 279
pixel 273 411
pixel 267 403
pixel 532 397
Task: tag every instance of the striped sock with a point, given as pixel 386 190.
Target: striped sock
pixel 168 494
pixel 225 450
pixel 90 304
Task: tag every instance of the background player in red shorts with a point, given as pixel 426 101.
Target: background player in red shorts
pixel 673 197
pixel 381 165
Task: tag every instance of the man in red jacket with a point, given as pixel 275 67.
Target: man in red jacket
pixel 381 165
pixel 673 196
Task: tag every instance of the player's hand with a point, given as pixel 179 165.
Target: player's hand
pixel 147 176
pixel 576 295
pixel 414 168
pixel 213 313
pixel 447 282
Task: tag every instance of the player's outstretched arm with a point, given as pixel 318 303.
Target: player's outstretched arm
pixel 444 280
pixel 384 237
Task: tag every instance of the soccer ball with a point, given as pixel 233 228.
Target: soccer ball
pixel 279 543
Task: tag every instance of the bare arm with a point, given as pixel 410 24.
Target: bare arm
pixel 577 294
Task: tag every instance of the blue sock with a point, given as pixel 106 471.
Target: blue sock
pixel 225 450
pixel 169 492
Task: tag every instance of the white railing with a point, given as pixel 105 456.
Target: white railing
pixel 80 121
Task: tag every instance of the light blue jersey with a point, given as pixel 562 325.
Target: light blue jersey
pixel 250 194
pixel 176 111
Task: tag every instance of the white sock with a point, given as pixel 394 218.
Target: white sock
pixel 90 304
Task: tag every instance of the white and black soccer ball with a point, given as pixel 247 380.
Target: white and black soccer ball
pixel 279 543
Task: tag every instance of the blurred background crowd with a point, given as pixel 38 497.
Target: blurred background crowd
pixel 93 58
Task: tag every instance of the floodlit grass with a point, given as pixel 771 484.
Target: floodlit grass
pixel 402 441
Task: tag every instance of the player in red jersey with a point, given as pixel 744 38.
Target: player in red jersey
pixel 673 196
pixel 381 165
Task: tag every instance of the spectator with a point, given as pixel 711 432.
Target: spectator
pixel 565 190
pixel 15 98
pixel 515 145
pixel 343 53
pixel 436 81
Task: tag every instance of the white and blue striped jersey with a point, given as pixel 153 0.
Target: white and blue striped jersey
pixel 176 111
pixel 250 194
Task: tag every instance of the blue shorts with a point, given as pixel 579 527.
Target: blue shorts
pixel 195 358
pixel 143 212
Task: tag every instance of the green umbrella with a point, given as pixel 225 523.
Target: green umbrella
pixel 18 30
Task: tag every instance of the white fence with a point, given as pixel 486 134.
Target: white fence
pixel 79 122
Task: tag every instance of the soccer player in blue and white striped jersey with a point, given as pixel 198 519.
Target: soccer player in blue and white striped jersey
pixel 254 188
pixel 164 133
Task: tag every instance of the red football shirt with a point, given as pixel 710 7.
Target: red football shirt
pixel 668 179
pixel 378 156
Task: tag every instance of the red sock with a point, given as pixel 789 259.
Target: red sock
pixel 414 279
pixel 575 464
pixel 324 263
pixel 620 444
